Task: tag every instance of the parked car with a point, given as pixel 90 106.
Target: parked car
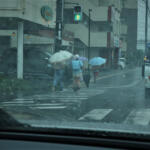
pixel 122 63
pixel 35 61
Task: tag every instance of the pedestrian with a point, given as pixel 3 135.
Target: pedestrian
pixel 77 72
pixel 86 77
pixel 58 77
pixel 95 71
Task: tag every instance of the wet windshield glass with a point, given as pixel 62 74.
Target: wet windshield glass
pixel 75 63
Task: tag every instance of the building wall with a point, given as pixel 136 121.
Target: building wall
pixel 130 16
pixel 94 53
pixel 124 29
pixel 97 14
pixel 95 2
pixel 141 26
pixel 102 41
pixel 98 39
pixel 28 39
pixel 124 46
pixel 116 3
pixel 131 4
pixel 28 10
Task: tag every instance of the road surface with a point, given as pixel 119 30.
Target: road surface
pixel 117 97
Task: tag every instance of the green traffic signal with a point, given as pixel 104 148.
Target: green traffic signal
pixel 77 13
pixel 77 17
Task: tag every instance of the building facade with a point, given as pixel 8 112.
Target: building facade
pixel 24 23
pixel 105 29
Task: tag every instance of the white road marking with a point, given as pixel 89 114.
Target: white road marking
pixel 17 102
pixel 49 107
pixel 63 98
pixel 123 86
pixel 83 94
pixel 22 99
pixel 139 117
pixel 115 74
pixel 96 114
pixel 49 104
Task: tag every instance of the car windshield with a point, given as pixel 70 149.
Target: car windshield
pixel 75 64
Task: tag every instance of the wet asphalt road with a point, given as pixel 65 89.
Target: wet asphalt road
pixel 123 93
pixel 113 99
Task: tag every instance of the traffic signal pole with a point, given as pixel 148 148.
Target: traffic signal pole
pixel 146 25
pixel 146 30
pixel 59 24
pixel 89 36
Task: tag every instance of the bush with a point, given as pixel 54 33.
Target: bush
pixel 9 85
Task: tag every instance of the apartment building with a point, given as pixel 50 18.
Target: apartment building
pixel 105 28
pixel 141 26
pixel 129 30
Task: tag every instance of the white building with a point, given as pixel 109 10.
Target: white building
pixel 21 21
pixel 141 26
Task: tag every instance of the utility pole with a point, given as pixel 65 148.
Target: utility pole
pixel 59 24
pixel 89 36
pixel 146 30
pixel 146 25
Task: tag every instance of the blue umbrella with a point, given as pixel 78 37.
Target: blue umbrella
pixel 97 61
pixel 83 58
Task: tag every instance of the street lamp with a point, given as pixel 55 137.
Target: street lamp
pixel 86 76
pixel 146 25
pixel 89 37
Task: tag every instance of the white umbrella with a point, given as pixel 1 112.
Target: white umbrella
pixel 66 54
pixel 60 56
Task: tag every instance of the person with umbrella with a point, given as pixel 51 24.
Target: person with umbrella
pixel 58 60
pixel 95 63
pixel 77 72
pixel 95 70
pixel 58 76
pixel 84 60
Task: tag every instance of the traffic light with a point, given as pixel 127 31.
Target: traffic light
pixel 77 13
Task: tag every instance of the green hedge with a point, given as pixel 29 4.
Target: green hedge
pixel 12 84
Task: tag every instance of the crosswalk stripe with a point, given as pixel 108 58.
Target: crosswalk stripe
pixel 139 117
pixel 51 104
pixel 68 96
pixel 49 107
pixel 64 96
pixel 17 102
pixel 96 114
pixel 22 99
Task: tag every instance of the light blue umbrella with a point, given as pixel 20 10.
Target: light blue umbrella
pixel 97 61
pixel 83 58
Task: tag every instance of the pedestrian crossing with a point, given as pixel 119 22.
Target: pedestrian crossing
pixel 53 100
pixel 63 100
pixel 139 116
pixel 134 117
